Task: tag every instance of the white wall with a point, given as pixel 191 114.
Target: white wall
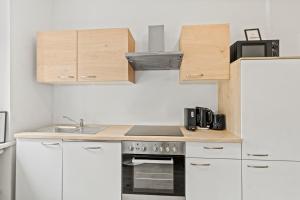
pixel 285 17
pixel 7 174
pixel 7 158
pixel 157 98
pixel 31 102
pixel 4 55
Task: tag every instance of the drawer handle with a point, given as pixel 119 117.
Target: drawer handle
pixel 201 165
pixel 50 144
pixel 258 155
pixel 213 148
pixel 65 77
pixel 258 166
pixel 92 148
pixel 1 151
pixel 195 75
pixel 91 76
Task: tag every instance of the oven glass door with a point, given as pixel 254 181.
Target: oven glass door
pixel 153 175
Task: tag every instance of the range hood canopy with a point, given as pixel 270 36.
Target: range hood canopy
pixel 156 58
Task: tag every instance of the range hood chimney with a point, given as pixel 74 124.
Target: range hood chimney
pixel 156 58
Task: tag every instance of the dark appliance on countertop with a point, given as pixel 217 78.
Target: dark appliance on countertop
pixel 3 126
pixel 219 122
pixel 204 117
pixel 153 170
pixel 255 48
pixel 190 120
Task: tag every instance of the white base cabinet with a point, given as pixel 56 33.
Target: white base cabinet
pixel 213 179
pixel 91 170
pixel 213 171
pixel 39 170
pixel 275 180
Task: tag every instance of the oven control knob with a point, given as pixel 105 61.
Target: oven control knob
pixel 155 148
pixel 143 149
pixel 131 148
pixel 174 149
pixel 168 149
pixel 161 149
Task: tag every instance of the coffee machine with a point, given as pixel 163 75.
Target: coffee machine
pixel 203 118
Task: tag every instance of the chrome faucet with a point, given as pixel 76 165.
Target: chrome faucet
pixel 81 122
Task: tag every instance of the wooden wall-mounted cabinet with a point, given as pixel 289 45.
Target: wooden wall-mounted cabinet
pixel 206 52
pixel 101 55
pixel 89 56
pixel 57 56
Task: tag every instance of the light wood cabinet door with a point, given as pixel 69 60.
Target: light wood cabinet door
pixel 206 52
pixel 270 109
pixel 213 179
pixel 276 180
pixel 57 57
pixel 39 170
pixel 101 55
pixel 92 170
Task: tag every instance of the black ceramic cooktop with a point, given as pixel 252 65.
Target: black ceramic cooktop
pixel 141 130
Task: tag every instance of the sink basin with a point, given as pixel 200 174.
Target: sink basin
pixel 73 129
pixel 65 129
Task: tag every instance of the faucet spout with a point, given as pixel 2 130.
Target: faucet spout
pixel 81 122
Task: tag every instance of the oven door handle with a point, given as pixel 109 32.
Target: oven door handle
pixel 135 162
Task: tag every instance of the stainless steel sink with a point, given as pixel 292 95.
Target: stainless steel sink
pixel 73 129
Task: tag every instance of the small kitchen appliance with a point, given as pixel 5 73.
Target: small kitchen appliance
pixel 257 48
pixel 219 122
pixel 204 117
pixel 190 122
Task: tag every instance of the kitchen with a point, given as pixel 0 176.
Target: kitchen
pixel 138 104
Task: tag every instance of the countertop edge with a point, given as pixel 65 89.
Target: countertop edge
pixel 7 145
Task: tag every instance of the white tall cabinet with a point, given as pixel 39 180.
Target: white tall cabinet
pixel 39 170
pixel 92 170
pixel 276 180
pixel 270 107
pixel 262 103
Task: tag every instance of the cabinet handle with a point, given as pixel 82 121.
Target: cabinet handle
pixel 91 76
pixel 195 75
pixel 50 144
pixel 215 148
pixel 258 166
pixel 1 151
pixel 65 77
pixel 203 165
pixel 258 155
pixel 92 148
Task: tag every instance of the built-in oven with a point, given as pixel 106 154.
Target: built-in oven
pixel 153 170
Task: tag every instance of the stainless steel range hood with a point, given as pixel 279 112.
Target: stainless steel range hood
pixel 156 58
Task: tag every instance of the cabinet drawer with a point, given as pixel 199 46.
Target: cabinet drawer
pixel 213 150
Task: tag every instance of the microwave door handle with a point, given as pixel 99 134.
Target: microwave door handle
pixel 146 161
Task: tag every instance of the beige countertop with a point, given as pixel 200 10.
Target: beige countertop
pixel 117 133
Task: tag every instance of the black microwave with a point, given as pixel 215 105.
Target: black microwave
pixel 257 48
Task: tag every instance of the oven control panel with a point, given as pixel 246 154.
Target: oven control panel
pixel 156 148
